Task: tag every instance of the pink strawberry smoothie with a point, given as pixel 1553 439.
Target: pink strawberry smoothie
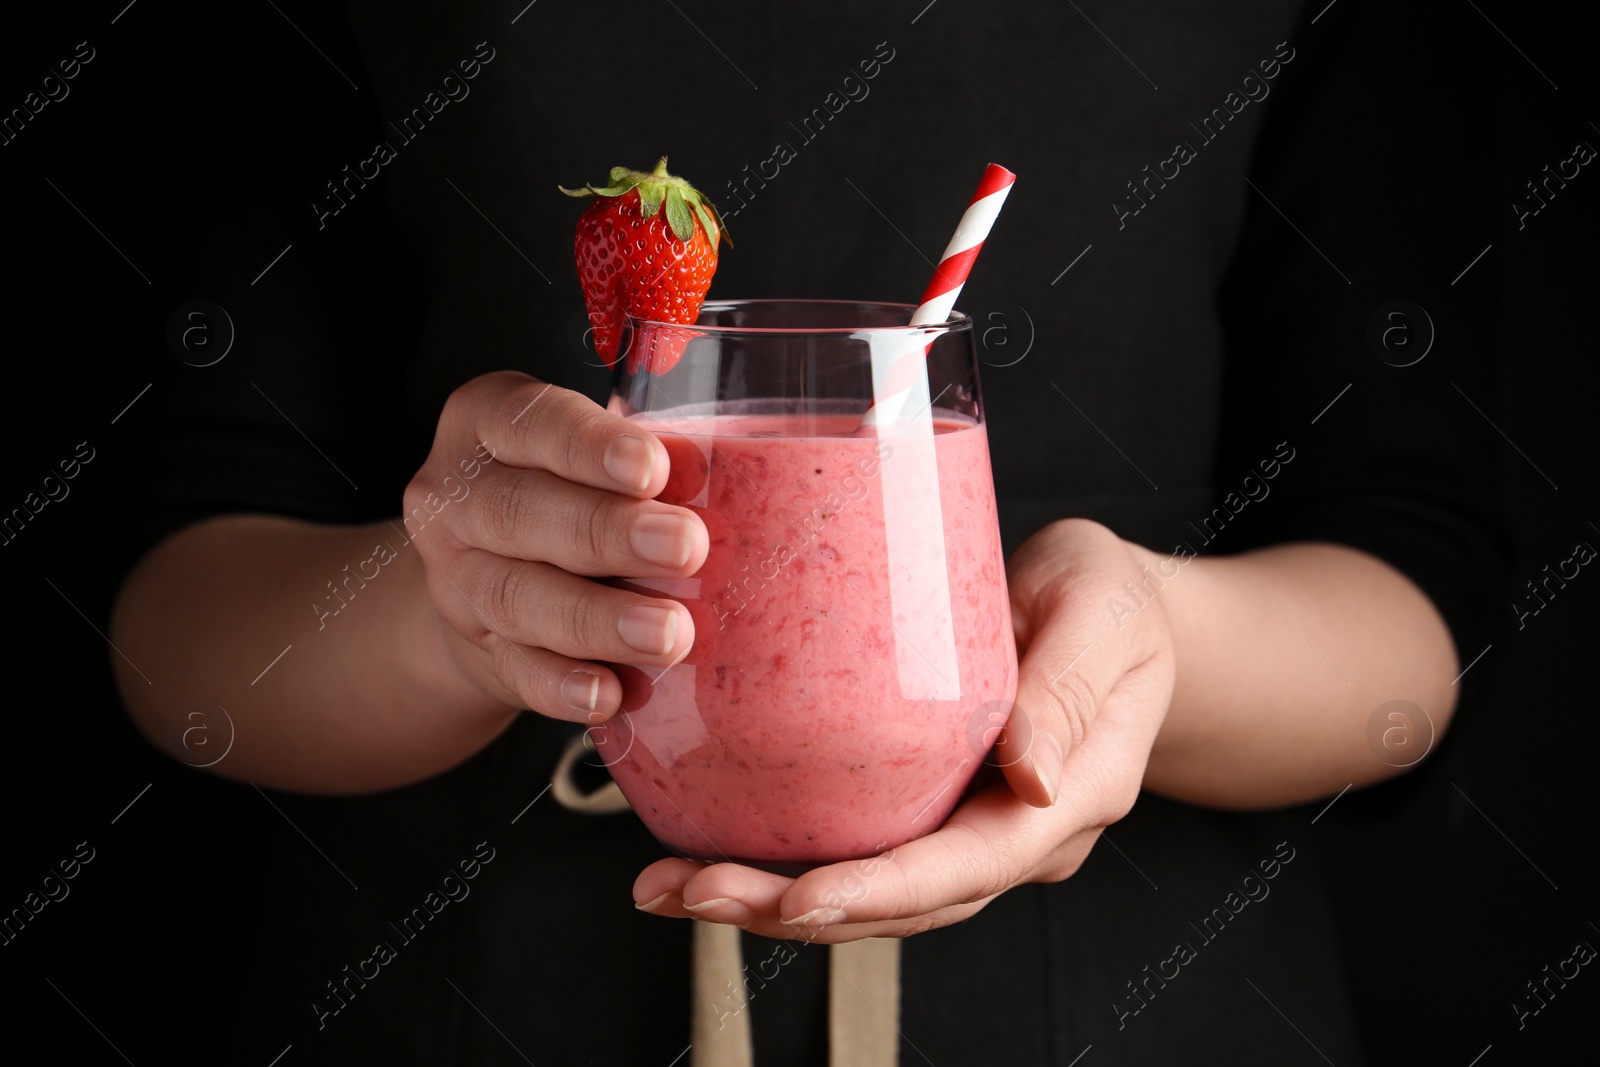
pixel 851 624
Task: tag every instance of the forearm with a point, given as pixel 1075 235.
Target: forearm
pixel 365 699
pixel 1283 655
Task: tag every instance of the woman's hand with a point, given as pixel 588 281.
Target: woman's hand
pixel 1093 690
pixel 529 491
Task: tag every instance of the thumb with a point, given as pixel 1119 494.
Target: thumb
pixel 1077 652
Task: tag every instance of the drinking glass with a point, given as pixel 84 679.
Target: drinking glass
pixel 853 652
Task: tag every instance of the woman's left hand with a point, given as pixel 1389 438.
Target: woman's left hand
pixel 1093 690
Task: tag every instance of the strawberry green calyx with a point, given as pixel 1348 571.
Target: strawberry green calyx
pixel 657 189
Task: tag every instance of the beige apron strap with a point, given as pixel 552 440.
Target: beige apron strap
pixel 719 1021
pixel 863 976
pixel 864 1003
pixel 607 800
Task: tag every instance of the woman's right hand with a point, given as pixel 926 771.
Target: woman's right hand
pixel 529 492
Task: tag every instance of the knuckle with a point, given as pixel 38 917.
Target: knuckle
pixel 908 896
pixel 517 396
pixel 1119 801
pixel 1092 528
pixel 585 426
pixel 1083 530
pixel 504 594
pixel 462 399
pixel 988 883
pixel 513 668
pixel 411 498
pixel 421 484
pixel 469 399
pixel 505 508
pixel 1059 867
pixel 991 864
pixel 500 658
pixel 999 866
pixel 1074 698
pixel 578 621
pixel 589 530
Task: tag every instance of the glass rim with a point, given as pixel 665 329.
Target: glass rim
pixel 957 320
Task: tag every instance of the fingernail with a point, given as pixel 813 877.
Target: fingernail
pixel 662 539
pixel 581 690
pixel 631 461
pixel 1048 761
pixel 652 905
pixel 724 910
pixel 817 917
pixel 649 629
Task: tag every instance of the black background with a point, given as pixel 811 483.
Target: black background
pixel 1444 914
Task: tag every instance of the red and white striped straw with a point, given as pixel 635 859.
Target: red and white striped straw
pixel 940 297
pixel 956 263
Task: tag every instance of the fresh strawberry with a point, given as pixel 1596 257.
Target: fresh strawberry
pixel 636 259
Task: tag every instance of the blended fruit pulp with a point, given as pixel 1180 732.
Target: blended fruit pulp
pixel 853 648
